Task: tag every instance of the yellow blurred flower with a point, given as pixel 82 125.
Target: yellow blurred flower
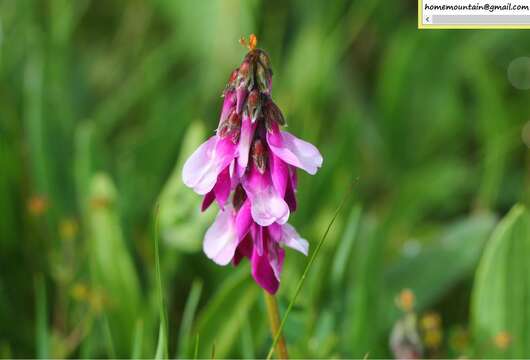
pixel 432 331
pixel 37 205
pixel 433 339
pixel 68 228
pixel 502 340
pixel 431 321
pixel 405 300
pixel 80 292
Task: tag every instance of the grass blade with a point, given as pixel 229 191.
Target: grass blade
pixel 187 318
pixel 137 343
pixel 196 351
pixel 161 350
pixel 41 337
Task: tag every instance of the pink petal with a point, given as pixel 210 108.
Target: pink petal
pixel 291 239
pixel 295 151
pixel 279 174
pixel 247 133
pixel 241 96
pixel 244 249
pixel 229 104
pixel 263 273
pixel 257 235
pixel 267 206
pixel 275 232
pixel 290 197
pixel 222 187
pixel 207 201
pixel 220 241
pixel 243 220
pixel 202 167
pixel 276 255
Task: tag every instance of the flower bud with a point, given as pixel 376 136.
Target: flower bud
pixel 231 84
pixel 263 78
pixel 264 59
pixel 254 105
pixel 239 197
pixel 230 127
pixel 259 155
pixel 272 112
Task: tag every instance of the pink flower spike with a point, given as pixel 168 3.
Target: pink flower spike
pixel 249 167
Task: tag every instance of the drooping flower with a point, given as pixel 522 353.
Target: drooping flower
pixel 249 168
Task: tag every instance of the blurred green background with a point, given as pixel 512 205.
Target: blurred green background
pixel 102 101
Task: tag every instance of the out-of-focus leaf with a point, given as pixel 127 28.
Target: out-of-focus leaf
pixel 441 264
pixel 180 206
pixel 365 292
pixel 161 348
pixel 111 266
pixel 501 294
pixel 345 247
pixel 184 339
pixel 136 352
pixel 162 342
pixel 223 317
pixel 42 337
pixel 247 345
pixel 109 340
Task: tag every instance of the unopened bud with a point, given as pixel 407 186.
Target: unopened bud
pixel 231 84
pixel 239 197
pixel 259 155
pixel 230 127
pixel 264 59
pixel 254 105
pixel 262 78
pixel 272 113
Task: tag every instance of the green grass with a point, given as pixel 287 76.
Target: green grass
pixel 101 105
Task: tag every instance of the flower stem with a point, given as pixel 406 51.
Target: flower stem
pixel 274 322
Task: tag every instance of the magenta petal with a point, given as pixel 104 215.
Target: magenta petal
pixel 202 167
pixel 243 220
pixel 199 172
pixel 222 187
pixel 220 241
pixel 275 232
pixel 295 151
pixel 247 133
pixel 229 104
pixel 244 249
pixel 290 198
pixel 207 201
pixel 276 256
pixel 267 206
pixel 279 174
pixel 241 96
pixel 257 235
pixel 263 273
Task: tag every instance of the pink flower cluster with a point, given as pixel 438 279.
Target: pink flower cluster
pixel 249 169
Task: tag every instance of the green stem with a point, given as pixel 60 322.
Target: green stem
pixel 274 322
